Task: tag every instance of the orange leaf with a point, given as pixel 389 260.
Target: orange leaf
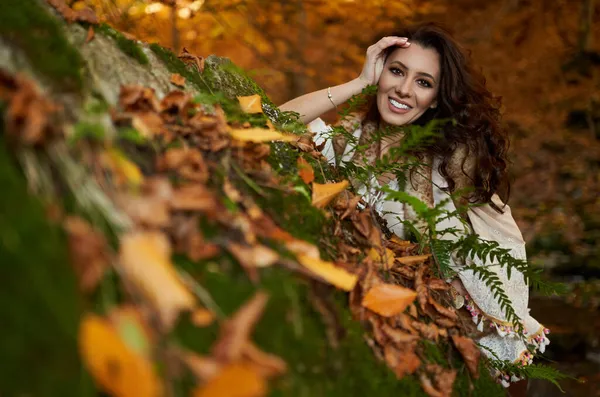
pixel 235 380
pixel 412 260
pixel 258 135
pixel 305 171
pixel 178 80
pixel 388 299
pixel 250 104
pixel 334 275
pixel 202 317
pixel 323 194
pixel 116 368
pixel 90 34
pixel 145 260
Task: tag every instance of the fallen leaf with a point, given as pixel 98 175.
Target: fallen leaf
pixel 193 198
pixel 332 274
pixel 444 311
pixel 130 326
pixel 203 368
pixel 253 257
pixel 116 368
pixel 234 380
pixel 145 259
pixel 305 171
pixel 398 336
pixel 258 135
pixel 202 317
pixel 387 260
pixel 190 59
pixel 413 260
pixel 268 365
pixel 88 252
pixel 443 378
pixel 428 386
pixel 178 80
pixel 402 362
pixel 421 287
pixel 250 104
pixel 235 331
pixel 123 169
pixel 388 299
pixel 90 34
pixel 469 351
pixel 428 331
pixel 322 194
pixel 438 284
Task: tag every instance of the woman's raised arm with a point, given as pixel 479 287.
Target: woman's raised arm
pixel 310 106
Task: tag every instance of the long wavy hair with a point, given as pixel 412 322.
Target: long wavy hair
pixel 464 98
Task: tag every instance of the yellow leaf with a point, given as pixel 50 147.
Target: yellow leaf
pixel 260 135
pixel 387 260
pixel 125 170
pixel 235 380
pixel 388 299
pixel 323 194
pixel 116 368
pixel 145 261
pixel 250 104
pixel 329 272
pixel 202 317
pixel 305 171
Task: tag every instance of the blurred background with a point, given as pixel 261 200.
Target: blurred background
pixel 541 56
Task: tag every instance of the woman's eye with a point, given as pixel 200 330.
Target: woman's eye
pixel 396 71
pixel 425 83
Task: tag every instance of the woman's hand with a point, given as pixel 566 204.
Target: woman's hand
pixel 375 58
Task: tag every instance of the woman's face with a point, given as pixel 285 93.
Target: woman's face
pixel 408 85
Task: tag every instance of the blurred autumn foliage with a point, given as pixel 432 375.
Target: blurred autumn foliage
pixel 538 55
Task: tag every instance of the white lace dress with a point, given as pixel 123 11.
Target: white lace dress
pixel 505 343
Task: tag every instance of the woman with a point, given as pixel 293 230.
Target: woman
pixel 422 74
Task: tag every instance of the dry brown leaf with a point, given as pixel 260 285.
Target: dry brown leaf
pixel 421 287
pixel 178 80
pixel 258 135
pixel 388 299
pixel 87 251
pixel 268 365
pixel 322 194
pixel 189 164
pixel 428 331
pixel 235 332
pixel 115 367
pixel 444 311
pixel 203 368
pixel 190 59
pixel 250 104
pixel 234 380
pixel 194 198
pixel 437 284
pixel 150 205
pixel 402 362
pixel 443 378
pixel 145 259
pixel 413 260
pixel 251 258
pixel 469 351
pixel 397 336
pixel 135 98
pixel 332 274
pixel 305 170
pixel 428 386
pixel 90 34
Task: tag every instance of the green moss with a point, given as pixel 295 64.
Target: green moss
pixel 89 131
pixel 129 47
pixel 40 36
pixel 175 65
pixel 40 305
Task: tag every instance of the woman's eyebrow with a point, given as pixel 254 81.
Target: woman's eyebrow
pixel 419 73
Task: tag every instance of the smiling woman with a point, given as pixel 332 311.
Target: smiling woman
pixel 422 75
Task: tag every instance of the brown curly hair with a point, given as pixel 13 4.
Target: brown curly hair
pixel 464 98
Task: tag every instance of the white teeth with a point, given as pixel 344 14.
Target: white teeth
pixel 398 104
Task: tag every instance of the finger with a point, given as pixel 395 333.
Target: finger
pixel 390 41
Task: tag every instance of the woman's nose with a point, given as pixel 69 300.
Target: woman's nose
pixel 404 88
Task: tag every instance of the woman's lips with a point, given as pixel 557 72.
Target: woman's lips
pixel 397 110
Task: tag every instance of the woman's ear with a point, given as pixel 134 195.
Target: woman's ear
pixel 433 104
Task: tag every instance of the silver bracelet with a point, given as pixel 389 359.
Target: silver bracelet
pixel 330 97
